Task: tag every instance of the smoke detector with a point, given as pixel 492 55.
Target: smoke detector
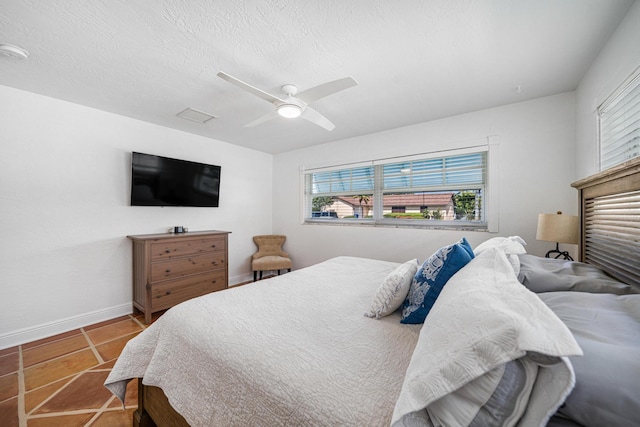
pixel 13 51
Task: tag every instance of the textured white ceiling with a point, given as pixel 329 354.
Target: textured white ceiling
pixel 414 60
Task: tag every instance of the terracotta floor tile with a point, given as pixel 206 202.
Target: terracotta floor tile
pixel 84 392
pixel 33 398
pixel 105 365
pixel 106 322
pixel 9 363
pixel 52 350
pixel 51 339
pixel 9 350
pixel 8 386
pixel 9 413
pixel 131 397
pixel 77 420
pixel 112 349
pixel 113 331
pixel 121 418
pixel 59 368
pixel 64 379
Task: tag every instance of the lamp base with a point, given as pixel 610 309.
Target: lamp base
pixel 557 251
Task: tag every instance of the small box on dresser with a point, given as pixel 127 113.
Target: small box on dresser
pixel 171 268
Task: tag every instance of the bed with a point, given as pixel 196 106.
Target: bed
pixel 507 339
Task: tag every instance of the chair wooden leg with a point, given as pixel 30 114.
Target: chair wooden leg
pixel 255 276
pixel 260 274
pixel 289 270
pixel 278 272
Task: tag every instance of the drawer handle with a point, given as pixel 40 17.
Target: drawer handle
pixel 168 293
pixel 168 270
pixel 167 251
pixel 213 246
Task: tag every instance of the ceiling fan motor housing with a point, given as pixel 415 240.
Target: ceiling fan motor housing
pixel 289 89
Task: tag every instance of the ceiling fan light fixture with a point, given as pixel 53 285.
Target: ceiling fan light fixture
pixel 290 111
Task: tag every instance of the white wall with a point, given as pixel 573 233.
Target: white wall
pixel 65 260
pixel 614 64
pixel 536 167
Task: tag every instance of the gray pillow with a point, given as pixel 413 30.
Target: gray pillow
pixel 607 328
pixel 508 401
pixel 547 275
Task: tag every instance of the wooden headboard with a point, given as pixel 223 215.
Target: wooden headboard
pixel 610 221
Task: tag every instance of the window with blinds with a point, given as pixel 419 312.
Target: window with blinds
pixel 619 123
pixel 431 191
pixel 612 234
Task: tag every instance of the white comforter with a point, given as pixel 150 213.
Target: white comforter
pixel 296 350
pixel 284 351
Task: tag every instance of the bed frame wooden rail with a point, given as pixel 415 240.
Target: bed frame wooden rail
pixel 154 409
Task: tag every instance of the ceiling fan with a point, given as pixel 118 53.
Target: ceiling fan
pixel 291 106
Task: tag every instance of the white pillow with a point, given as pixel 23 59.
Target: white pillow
pixel 393 290
pixel 511 246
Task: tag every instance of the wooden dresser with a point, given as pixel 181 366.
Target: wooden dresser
pixel 171 268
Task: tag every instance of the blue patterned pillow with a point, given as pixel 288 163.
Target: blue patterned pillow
pixel 431 278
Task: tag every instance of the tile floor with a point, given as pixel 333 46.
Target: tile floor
pixel 57 381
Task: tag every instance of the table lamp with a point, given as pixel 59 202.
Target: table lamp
pixel 560 229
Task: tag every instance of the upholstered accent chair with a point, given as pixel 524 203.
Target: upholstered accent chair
pixel 270 256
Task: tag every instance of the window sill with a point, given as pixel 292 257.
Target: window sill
pixel 423 225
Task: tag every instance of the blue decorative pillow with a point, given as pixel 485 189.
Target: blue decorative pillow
pixel 431 278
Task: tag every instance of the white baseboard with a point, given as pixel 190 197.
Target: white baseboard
pixel 243 278
pixel 45 330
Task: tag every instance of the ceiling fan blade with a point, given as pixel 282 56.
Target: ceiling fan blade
pixel 253 90
pixel 269 116
pixel 314 117
pixel 326 89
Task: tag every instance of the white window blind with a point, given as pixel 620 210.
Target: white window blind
pixel 342 181
pixel 444 173
pixel 619 119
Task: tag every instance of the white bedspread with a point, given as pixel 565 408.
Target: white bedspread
pixel 296 351
pixel 284 351
pixel 482 319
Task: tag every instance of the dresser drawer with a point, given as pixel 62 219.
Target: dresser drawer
pixel 171 249
pixel 168 294
pixel 179 267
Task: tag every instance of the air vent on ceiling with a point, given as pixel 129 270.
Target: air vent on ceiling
pixel 195 115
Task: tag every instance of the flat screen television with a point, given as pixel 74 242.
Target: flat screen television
pixel 162 181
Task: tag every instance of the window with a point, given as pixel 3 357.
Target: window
pixel 619 124
pixel 443 191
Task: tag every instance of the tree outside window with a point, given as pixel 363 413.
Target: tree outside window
pixel 320 203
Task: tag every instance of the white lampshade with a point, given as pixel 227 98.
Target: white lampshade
pixel 290 111
pixel 558 228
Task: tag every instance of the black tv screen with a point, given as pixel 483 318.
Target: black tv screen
pixel 162 181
